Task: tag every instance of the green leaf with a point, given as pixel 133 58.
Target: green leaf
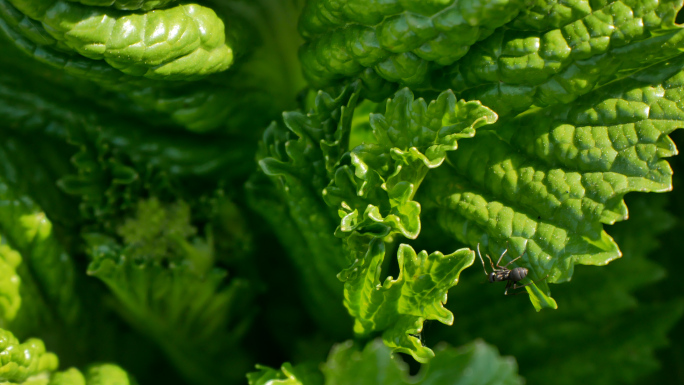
pixel 400 41
pixel 194 315
pixel 546 181
pixel 305 374
pixel 22 361
pixel 10 299
pixel 107 374
pixel 298 160
pixel 129 5
pixel 605 330
pixel 131 42
pixel 513 70
pixel 399 306
pixel 412 138
pixel 474 363
pixel 47 290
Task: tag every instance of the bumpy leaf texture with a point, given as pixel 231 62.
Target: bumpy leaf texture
pixel 179 42
pixel 222 102
pixel 400 41
pixel 603 331
pixel 28 363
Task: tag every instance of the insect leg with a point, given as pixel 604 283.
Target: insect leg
pixel 511 261
pixel 515 286
pixel 501 257
pixel 508 286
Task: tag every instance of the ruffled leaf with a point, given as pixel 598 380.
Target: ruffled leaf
pixel 47 291
pixel 399 306
pixel 188 310
pixel 412 138
pixel 298 160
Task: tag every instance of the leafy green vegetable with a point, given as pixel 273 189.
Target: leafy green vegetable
pixel 191 189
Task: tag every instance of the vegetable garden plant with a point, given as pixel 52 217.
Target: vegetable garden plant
pixel 288 191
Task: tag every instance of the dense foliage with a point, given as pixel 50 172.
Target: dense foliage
pixel 288 191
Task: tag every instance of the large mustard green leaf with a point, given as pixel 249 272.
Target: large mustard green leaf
pixel 181 42
pixel 513 69
pixel 544 183
pixel 348 364
pixel 401 41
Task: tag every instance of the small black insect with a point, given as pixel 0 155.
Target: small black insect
pixel 502 273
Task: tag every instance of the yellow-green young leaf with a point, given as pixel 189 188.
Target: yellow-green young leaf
pixel 373 190
pixel 306 374
pixel 10 299
pixel 376 190
pixel 544 183
pixel 22 361
pixel 177 43
pixel 98 374
pixel 32 255
pixel 399 306
pixel 474 363
pixel 192 313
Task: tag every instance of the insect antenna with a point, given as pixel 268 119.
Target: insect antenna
pixel 481 259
